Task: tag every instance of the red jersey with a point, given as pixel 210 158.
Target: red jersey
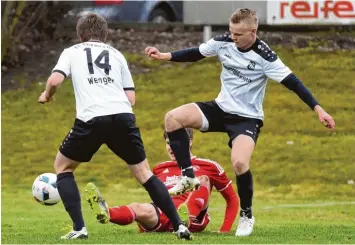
pixel 169 172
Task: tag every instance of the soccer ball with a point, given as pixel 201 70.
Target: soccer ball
pixel 44 189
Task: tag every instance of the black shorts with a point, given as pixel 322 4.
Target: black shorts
pixel 234 125
pixel 119 132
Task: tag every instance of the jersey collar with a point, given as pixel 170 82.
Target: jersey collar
pixel 255 44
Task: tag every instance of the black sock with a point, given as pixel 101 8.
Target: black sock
pixel 189 172
pixel 69 193
pixel 245 191
pixel 160 196
pixel 180 145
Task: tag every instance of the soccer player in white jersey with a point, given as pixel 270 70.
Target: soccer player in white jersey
pixel 247 63
pixel 104 93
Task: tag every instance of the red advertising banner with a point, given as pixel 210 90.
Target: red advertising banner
pixel 311 12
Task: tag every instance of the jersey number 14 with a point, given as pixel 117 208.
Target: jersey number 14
pixel 103 55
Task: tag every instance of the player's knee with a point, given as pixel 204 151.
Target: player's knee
pixel 64 164
pixel 239 165
pixel 142 211
pixel 172 121
pixel 204 181
pixel 61 167
pixel 135 207
pixel 169 117
pixel 56 167
pixel 150 213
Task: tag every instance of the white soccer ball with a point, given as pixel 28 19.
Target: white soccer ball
pixel 44 189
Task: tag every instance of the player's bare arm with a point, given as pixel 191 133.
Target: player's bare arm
pixel 183 55
pixel 131 95
pixel 54 81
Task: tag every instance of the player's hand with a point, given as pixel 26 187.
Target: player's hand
pixel 154 53
pixel 325 118
pixel 43 98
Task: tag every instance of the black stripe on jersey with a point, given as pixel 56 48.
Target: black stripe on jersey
pixel 130 88
pixel 226 37
pixel 62 72
pixel 264 51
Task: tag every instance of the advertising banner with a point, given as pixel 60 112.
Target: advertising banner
pixel 303 12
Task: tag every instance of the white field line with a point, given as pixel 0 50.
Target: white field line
pixel 320 204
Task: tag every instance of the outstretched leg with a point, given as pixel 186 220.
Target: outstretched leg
pixel 69 193
pixel 143 213
pixel 160 196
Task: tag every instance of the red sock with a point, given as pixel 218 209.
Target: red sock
pixel 122 215
pixel 197 200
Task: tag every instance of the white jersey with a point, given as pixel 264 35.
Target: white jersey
pixel 244 74
pixel 100 77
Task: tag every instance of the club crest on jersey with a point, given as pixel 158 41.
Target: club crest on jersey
pixel 251 65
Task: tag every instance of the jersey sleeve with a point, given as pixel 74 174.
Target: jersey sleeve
pixel 218 176
pixel 232 205
pixel 63 64
pixel 210 48
pixel 223 184
pixel 276 70
pixel 127 80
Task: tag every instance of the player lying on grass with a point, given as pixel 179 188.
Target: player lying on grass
pixel 192 206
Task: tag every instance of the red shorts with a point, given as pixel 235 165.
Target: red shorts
pixel 164 224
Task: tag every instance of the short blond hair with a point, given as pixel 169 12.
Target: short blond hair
pixel 244 14
pixel 92 26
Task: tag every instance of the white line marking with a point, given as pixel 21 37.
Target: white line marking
pixel 322 204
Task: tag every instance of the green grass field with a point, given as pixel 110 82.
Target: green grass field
pixel 24 221
pixel 313 170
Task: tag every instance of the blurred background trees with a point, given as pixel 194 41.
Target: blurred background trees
pixel 27 24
